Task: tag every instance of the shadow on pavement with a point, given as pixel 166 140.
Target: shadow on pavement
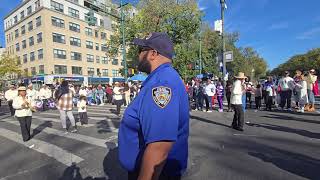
pixel 208 121
pixel 290 118
pixel 298 164
pixel 111 166
pixel 300 132
pixel 41 127
pixel 104 126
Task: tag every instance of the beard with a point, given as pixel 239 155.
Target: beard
pixel 144 65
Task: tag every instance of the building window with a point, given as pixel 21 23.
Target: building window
pixel 41 69
pixel 58 38
pixel 23 29
pixel 96 34
pixel 103 35
pixel 89 44
pixel 37 4
pixel 97 59
pixel 32 57
pixel 57 6
pixel 25 58
pixel 33 71
pixel 30 26
pixel 75 1
pixel 60 54
pixel 24 44
pixel 31 41
pixel 17 47
pixel 75 41
pixel 115 73
pixel 38 21
pixel 101 22
pixel 58 69
pixel 21 15
pixel 105 72
pixel 74 27
pixel 104 48
pixel 90 58
pixel 29 10
pixel 57 22
pixel 73 12
pixel 88 31
pixel 16 33
pixel 97 46
pixel 104 60
pixel 39 37
pixel 19 60
pixel 40 54
pixel 76 70
pixel 76 56
pixel 15 19
pixel 115 62
pixel 90 71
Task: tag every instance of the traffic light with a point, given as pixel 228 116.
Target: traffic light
pixel 91 20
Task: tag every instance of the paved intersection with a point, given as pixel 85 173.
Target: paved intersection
pixel 275 145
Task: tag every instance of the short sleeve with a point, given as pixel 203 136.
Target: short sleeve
pixel 159 114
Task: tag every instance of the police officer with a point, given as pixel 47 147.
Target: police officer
pixel 153 134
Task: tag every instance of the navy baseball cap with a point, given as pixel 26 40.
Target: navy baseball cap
pixel 158 41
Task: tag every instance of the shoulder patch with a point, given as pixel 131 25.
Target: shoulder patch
pixel 161 96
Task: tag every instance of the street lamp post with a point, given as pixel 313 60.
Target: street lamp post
pixel 222 2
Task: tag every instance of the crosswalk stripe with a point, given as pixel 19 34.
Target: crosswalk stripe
pixel 48 149
pixel 75 136
pixel 89 113
pixel 111 128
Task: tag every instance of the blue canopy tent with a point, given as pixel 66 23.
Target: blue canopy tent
pixel 138 77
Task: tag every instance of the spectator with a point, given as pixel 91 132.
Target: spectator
pixel 9 96
pixel 286 84
pixel 209 90
pixel 312 90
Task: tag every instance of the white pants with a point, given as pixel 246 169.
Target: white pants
pixel 63 118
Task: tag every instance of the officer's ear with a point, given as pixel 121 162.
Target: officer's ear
pixel 153 54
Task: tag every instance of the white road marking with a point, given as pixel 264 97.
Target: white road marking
pixel 48 149
pixel 75 136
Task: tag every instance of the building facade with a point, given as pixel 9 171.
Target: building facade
pixel 53 37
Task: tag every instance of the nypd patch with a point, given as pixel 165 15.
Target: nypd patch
pixel 161 96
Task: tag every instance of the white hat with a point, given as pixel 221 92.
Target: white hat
pixel 240 76
pixel 22 88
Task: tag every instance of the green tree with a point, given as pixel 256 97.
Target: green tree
pixel 9 65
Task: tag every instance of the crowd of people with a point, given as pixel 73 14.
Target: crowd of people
pixel 23 100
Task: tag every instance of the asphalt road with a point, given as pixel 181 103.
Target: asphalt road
pixel 274 145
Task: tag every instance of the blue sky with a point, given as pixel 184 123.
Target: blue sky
pixel 277 29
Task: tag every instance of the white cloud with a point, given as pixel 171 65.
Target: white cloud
pixel 309 34
pixel 277 26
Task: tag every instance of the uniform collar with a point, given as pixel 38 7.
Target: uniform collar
pixel 162 66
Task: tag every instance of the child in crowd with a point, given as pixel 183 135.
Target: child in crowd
pixel 258 97
pixel 220 95
pixel 82 109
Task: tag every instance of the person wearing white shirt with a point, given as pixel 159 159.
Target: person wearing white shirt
pixel 82 110
pixel 237 91
pixel 302 87
pixel 31 93
pixel 118 97
pixel 23 113
pixel 45 94
pixel 83 91
pixel 286 84
pixel 9 95
pixel 209 91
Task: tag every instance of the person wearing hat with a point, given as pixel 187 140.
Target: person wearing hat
pixel 312 90
pixel 24 108
pixel 31 93
pixel 118 97
pixel 286 84
pixel 154 131
pixel 45 94
pixel 9 95
pixel 237 91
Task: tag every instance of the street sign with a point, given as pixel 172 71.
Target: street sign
pixel 218 26
pixel 228 56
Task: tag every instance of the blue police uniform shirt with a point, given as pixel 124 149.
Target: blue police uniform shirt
pixel 160 112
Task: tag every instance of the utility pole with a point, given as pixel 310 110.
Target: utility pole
pixel 124 57
pixel 223 5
